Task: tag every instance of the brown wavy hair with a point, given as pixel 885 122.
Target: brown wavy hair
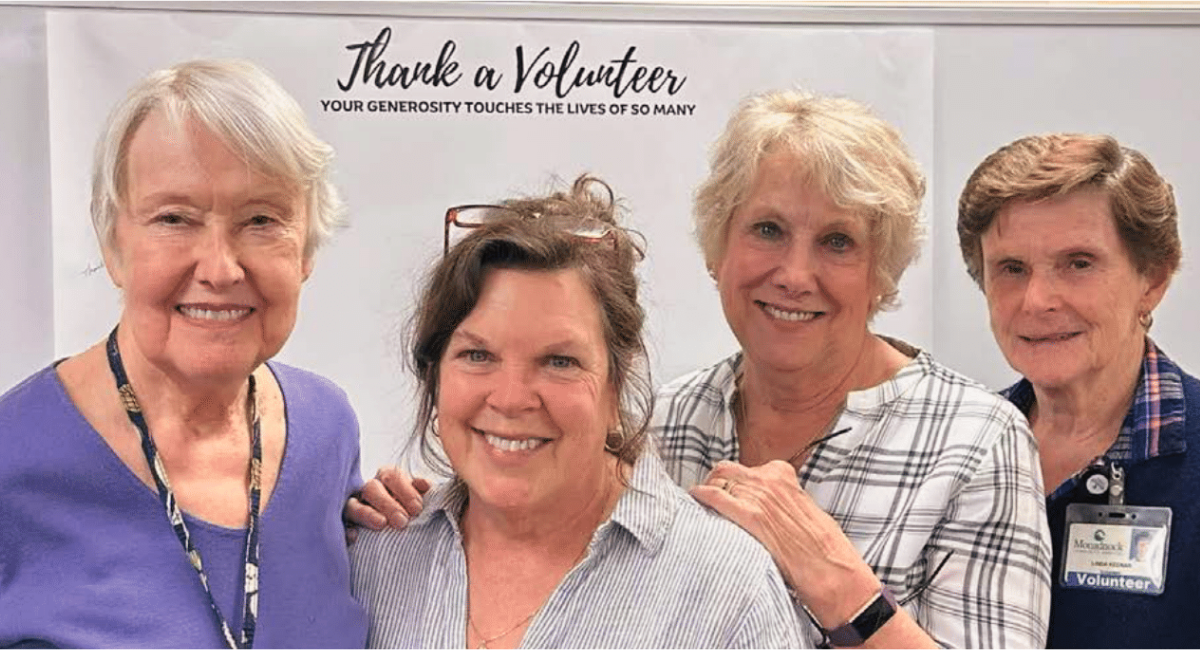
pixel 542 241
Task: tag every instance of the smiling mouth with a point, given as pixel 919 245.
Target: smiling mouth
pixel 510 445
pixel 788 315
pixel 214 314
pixel 1052 338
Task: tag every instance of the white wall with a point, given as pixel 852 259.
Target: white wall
pixel 997 83
pixel 957 92
pixel 26 289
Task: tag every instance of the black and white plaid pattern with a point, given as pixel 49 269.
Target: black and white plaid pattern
pixel 933 464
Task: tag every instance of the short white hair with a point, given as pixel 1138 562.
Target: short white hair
pixel 245 108
pixel 859 161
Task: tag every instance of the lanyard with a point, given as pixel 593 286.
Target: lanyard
pixel 175 515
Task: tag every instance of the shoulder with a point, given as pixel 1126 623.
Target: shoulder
pixel 310 395
pixel 708 384
pixel 681 535
pixel 732 573
pixel 1191 394
pixel 311 385
pixel 390 564
pixel 719 544
pixel 933 416
pixel 943 393
pixel 31 396
pixel 696 399
pixel 394 548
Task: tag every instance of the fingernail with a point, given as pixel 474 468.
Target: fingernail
pixel 398 520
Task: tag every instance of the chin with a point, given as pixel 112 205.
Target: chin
pixel 227 369
pixel 501 493
pixel 1046 375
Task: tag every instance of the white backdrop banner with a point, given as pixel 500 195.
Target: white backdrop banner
pixel 429 113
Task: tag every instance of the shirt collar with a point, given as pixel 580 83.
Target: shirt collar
pixel 918 366
pixel 646 507
pixel 649 503
pixel 1154 425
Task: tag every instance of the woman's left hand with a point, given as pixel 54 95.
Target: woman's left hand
pixel 817 560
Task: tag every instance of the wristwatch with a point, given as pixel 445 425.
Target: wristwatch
pixel 862 625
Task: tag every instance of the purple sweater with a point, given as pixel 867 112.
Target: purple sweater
pixel 88 558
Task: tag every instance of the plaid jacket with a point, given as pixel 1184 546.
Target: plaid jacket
pixel 933 465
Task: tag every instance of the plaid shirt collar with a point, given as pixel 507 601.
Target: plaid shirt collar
pixel 1154 425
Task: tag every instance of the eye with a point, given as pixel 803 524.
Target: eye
pixel 561 362
pixel 170 219
pixel 767 230
pixel 1011 268
pixel 1080 264
pixel 475 356
pixel 261 220
pixel 839 242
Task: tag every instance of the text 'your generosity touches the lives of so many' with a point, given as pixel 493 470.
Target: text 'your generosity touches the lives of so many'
pixel 537 70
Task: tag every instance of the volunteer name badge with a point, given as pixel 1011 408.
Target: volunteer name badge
pixel 1116 548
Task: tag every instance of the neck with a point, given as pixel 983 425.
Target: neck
pixel 818 389
pixel 173 405
pixel 1090 410
pixel 781 413
pixel 559 527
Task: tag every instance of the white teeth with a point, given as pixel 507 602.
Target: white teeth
pixel 1051 339
pixel 208 314
pixel 505 444
pixel 776 312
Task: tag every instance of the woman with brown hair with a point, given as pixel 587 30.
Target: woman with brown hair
pixel 1074 238
pixel 559 526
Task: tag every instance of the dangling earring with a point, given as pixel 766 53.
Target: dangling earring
pixel 1146 319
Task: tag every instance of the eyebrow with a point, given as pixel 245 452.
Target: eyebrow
pixel 471 338
pixel 849 223
pixel 567 344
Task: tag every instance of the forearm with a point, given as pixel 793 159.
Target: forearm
pixel 841 597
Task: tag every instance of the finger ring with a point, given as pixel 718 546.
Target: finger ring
pixel 728 487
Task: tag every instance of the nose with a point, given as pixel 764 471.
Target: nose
pixel 513 391
pixel 218 261
pixel 795 272
pixel 1042 293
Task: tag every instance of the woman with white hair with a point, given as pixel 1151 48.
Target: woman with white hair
pixel 143 488
pixel 901 500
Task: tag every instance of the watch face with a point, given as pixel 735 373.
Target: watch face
pixel 867 623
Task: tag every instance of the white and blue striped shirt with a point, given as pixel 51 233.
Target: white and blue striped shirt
pixel 662 572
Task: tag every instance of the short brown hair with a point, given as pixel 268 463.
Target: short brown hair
pixel 1039 167
pixel 542 241
pixel 858 160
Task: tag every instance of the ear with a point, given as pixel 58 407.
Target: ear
pixel 112 261
pixel 306 268
pixel 1157 281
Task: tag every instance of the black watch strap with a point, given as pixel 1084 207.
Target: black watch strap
pixel 864 624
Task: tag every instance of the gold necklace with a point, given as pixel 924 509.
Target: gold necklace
pixel 483 644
